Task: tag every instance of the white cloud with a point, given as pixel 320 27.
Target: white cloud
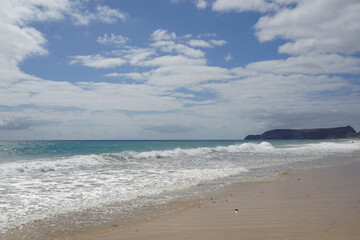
pixel 244 5
pixel 97 61
pixel 269 92
pixel 264 98
pixel 103 14
pixel 182 66
pixel 309 64
pixel 314 26
pixel 322 36
pixel 309 25
pixel 167 129
pixel 206 44
pixel 109 15
pixel 175 72
pixel 171 46
pixel 228 57
pixel 218 42
pixel 206 35
pixel 172 64
pixel 169 60
pixel 88 96
pixel 18 40
pixel 112 39
pixel 199 43
pixel 175 1
pixel 22 12
pixel 134 76
pixel 134 55
pixel 170 43
pixel 183 95
pixel 162 34
pixel 201 4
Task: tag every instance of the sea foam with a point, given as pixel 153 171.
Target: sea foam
pixel 44 187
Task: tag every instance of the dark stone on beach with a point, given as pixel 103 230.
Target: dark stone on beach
pixel 316 133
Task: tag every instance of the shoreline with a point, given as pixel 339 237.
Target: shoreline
pixel 320 203
pixel 90 224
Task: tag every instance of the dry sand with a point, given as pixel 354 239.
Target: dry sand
pixel 313 204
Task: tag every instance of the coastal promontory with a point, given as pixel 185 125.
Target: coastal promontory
pixel 315 133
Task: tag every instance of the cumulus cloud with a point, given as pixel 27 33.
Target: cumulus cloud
pixel 136 55
pixel 182 66
pixel 199 43
pixel 309 25
pixel 19 40
pixel 134 76
pixel 218 42
pixel 314 26
pixel 171 46
pixel 112 39
pixel 162 34
pixel 103 14
pixel 201 4
pixel 244 5
pixel 167 42
pixel 206 44
pixel 109 15
pixel 172 86
pixel 97 61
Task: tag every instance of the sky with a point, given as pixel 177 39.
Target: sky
pixel 176 69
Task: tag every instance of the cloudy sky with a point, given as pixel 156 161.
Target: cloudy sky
pixel 176 69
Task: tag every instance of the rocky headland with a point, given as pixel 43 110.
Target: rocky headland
pixel 315 133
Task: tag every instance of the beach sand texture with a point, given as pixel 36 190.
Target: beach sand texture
pixel 312 204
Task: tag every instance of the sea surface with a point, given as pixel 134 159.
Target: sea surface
pixel 50 187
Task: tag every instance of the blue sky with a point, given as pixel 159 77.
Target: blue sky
pixel 176 69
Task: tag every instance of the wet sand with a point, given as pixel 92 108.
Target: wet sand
pixel 311 204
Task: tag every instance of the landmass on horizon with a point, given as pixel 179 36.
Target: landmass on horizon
pixel 315 133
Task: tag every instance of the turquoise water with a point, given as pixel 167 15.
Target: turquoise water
pixel 22 150
pixel 45 180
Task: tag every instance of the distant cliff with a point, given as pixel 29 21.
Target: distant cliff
pixel 316 133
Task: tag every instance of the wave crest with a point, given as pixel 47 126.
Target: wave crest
pixel 178 152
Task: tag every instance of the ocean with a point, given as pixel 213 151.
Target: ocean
pixel 64 188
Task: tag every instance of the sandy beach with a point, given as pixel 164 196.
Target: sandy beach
pixel 311 204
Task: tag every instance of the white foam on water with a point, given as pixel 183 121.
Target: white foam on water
pixel 178 152
pixel 38 189
pixel 43 188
